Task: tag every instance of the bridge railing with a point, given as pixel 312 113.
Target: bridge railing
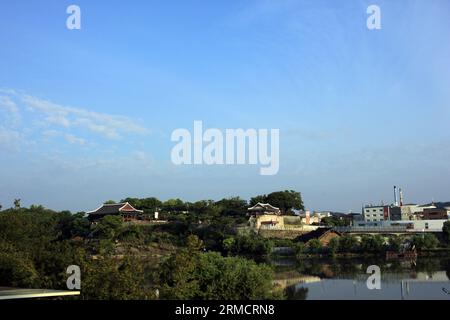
pixel 370 229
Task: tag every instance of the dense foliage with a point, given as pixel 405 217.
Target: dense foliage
pixel 367 244
pixel 189 274
pixel 285 200
pixel 446 232
pixel 203 211
pixel 127 261
pixel 250 244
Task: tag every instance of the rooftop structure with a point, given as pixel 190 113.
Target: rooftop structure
pixel 126 210
pixel 263 208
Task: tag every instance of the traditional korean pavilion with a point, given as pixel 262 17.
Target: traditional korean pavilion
pixel 126 210
pixel 263 209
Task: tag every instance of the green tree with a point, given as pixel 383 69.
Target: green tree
pixel 347 243
pixel 178 278
pixel 315 245
pixel 395 243
pixel 425 241
pixel 334 222
pixel 371 243
pixel 72 225
pixel 252 244
pixel 285 200
pixel 108 227
pixel 446 231
pixel 430 241
pixel 16 203
pixel 333 245
pixel 258 199
pixel 149 205
pixel 190 274
pixel 174 205
pixel 299 248
pixel 16 268
pixel 229 244
pixel 232 207
pixel 108 278
pixel 233 278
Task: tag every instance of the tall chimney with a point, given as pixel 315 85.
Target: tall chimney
pixel 395 196
pixel 401 196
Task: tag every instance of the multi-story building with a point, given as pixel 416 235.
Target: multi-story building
pixel 375 213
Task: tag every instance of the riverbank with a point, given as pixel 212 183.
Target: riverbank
pixel 346 277
pixel 438 252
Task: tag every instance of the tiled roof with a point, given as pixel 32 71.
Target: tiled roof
pixel 113 209
pixel 265 206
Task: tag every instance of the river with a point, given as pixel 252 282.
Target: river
pixel 346 279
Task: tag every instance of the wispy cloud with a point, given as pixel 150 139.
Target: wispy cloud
pixel 108 126
pixel 10 138
pixel 72 139
pixel 10 110
pixel 32 124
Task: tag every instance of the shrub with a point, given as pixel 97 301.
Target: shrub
pixel 333 245
pixel 425 241
pixel 314 245
pixel 189 274
pixel 347 243
pixel 446 231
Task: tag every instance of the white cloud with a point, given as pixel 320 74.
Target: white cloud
pixel 47 134
pixel 44 120
pixel 72 139
pixel 10 138
pixel 109 126
pixel 8 106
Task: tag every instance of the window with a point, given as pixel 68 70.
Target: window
pixel 426 225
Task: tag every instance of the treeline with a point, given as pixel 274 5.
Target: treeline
pixel 178 260
pixel 219 236
pixel 287 201
pixel 368 244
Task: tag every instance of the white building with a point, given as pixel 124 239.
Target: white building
pixel 410 225
pixel 375 213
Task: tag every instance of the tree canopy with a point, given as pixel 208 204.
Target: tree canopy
pixel 285 200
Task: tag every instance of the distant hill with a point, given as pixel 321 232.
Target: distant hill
pixel 338 214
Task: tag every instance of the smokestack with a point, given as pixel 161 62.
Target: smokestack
pixel 401 196
pixel 395 196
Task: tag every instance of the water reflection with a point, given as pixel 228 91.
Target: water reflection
pixel 424 278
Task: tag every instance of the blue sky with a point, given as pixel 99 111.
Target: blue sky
pixel 86 115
